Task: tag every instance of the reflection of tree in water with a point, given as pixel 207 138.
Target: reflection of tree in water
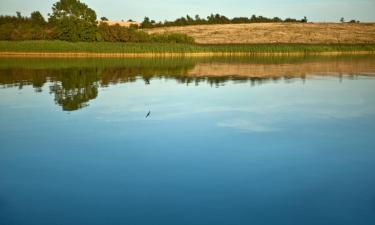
pixel 74 83
pixel 22 77
pixel 73 89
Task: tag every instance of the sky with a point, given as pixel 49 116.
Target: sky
pixel 317 11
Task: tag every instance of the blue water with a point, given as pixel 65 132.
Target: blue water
pixel 296 151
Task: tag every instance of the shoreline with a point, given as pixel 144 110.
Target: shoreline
pixel 152 50
pixel 171 54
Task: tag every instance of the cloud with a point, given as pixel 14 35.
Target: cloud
pixel 248 126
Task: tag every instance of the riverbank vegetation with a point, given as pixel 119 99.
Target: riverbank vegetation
pixel 117 33
pixel 169 63
pixel 111 47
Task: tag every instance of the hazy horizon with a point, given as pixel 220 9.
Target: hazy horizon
pixel 316 11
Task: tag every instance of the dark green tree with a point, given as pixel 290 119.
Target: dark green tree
pixel 147 23
pixel 74 20
pixel 37 18
pixel 19 16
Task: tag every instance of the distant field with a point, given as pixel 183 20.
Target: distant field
pixel 297 33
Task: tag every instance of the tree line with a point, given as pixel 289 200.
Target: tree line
pixel 217 19
pixel 19 27
pixel 72 20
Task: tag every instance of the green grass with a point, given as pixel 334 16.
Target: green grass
pixel 109 47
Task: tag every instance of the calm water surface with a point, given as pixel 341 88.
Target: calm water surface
pixel 228 141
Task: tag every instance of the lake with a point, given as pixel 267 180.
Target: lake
pixel 256 140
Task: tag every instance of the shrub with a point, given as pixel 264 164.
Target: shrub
pixel 117 33
pixel 172 38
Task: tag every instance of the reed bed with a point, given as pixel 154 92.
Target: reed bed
pixel 61 63
pixel 157 48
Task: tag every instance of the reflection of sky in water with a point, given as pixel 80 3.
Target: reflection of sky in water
pixel 277 153
pixel 241 106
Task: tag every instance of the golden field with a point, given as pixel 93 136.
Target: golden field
pixel 290 33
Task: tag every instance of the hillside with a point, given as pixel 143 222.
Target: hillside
pixel 254 33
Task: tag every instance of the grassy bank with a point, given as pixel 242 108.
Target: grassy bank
pixel 150 48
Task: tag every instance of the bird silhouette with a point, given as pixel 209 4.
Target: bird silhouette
pixel 148 114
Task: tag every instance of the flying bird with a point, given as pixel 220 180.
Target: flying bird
pixel 148 114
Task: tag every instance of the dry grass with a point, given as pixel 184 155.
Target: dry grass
pixel 255 33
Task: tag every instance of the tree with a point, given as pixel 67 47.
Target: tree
pixel 354 21
pixel 103 18
pixel 19 16
pixel 342 20
pixel 147 23
pixel 75 21
pixel 37 18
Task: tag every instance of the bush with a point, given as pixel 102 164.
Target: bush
pixel 172 38
pixel 117 33
pixel 26 28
